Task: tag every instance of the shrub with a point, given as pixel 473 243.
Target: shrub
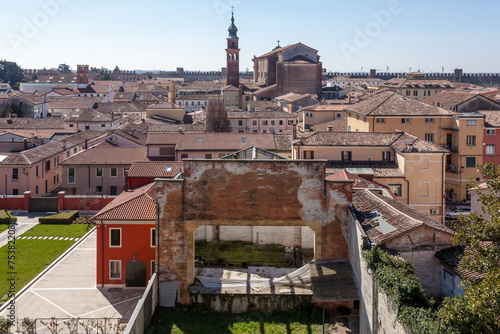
pixel 60 218
pixel 6 216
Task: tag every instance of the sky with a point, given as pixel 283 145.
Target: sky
pixel 351 36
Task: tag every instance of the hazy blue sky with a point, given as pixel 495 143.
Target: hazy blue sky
pixel 163 35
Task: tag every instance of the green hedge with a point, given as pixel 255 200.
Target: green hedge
pixel 6 216
pixel 60 218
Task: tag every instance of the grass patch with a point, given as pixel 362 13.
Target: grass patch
pixel 180 320
pixel 239 254
pixel 71 231
pixel 3 227
pixel 33 256
pixel 59 218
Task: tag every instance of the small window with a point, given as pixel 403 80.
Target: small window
pixel 113 190
pixel 153 237
pixel 470 162
pixel 98 172
pixel 98 189
pixel 254 122
pixel 71 125
pixel 405 120
pixel 15 173
pixel 280 122
pixel 429 121
pixel 15 191
pixel 396 189
pixel 208 156
pixel 36 190
pixel 408 93
pixel 71 175
pixel 115 269
pixel 471 123
pixel 339 115
pixel 290 122
pixel 36 170
pixel 490 132
pixel 380 120
pixel 346 155
pixel 103 125
pixel 272 122
pixel 115 237
pixel 471 140
pixel 429 137
pixel 47 165
pixel 490 149
pixel 264 122
pixel 87 127
pixel 114 172
pixel 386 156
pixel 349 128
pixel 415 93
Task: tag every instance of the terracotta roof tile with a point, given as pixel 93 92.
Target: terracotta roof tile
pixel 390 103
pixel 135 204
pixel 155 169
pixel 384 219
pixel 379 168
pixel 452 257
pixel 99 155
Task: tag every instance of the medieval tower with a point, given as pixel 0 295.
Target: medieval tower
pixel 233 55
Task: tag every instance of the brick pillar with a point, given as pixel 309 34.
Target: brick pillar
pixel 60 196
pixel 175 245
pixel 26 202
pixel 333 233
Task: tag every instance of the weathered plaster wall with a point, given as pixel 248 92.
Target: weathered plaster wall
pixel 247 193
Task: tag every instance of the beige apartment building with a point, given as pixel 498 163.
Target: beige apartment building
pixel 460 133
pixel 321 113
pixel 412 168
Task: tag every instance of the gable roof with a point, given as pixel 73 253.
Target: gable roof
pixel 451 99
pixel 389 103
pixel 452 257
pixel 401 141
pixel 48 150
pixel 384 219
pixel 135 204
pixel 212 141
pixel 284 48
pixel 418 83
pixel 105 155
pixel 492 118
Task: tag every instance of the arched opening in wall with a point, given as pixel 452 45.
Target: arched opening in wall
pixel 232 45
pixel 251 247
pixel 235 56
pixel 228 56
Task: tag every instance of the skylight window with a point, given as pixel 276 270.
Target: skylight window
pixel 168 169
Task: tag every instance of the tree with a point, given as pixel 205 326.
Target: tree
pixel 89 200
pixel 13 108
pixel 11 73
pixel 216 118
pixel 64 68
pixel 116 70
pixel 479 234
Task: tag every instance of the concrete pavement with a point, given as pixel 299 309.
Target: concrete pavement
pixel 69 290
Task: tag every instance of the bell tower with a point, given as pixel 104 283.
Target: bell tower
pixel 233 55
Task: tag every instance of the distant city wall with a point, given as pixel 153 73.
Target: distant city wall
pixel 191 76
pixel 480 79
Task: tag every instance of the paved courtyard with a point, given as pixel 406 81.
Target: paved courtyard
pixel 69 290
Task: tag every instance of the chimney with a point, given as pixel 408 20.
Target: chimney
pixel 180 129
pixel 294 131
pixel 330 128
pixel 86 143
pixel 25 144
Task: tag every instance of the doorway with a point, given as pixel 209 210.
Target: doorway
pixel 135 274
